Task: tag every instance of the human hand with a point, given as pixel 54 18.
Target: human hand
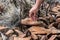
pixel 33 12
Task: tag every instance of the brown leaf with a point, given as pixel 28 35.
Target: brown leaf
pixel 52 37
pixel 9 32
pixel 41 30
pixel 17 38
pixel 2 27
pixel 38 30
pixel 29 21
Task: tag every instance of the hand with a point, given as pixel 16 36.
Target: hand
pixel 33 12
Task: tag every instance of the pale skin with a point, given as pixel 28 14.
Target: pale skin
pixel 33 11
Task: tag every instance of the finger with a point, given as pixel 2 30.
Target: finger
pixel 30 14
pixel 34 14
pixel 35 17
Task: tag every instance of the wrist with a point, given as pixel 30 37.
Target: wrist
pixel 36 6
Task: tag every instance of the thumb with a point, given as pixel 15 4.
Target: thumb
pixel 30 14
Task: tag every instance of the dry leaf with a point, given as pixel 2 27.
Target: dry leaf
pixel 29 21
pixel 17 38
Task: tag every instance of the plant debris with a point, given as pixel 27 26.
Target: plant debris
pixel 15 23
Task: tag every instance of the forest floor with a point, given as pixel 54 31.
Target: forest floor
pixel 47 27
